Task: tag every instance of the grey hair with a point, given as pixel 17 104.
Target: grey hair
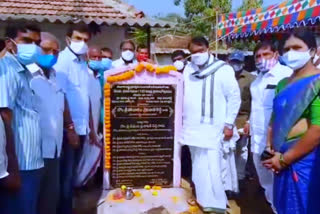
pixel 50 36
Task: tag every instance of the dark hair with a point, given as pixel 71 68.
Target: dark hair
pixel 142 47
pixel 82 28
pixel 12 31
pixel 305 35
pixel 33 27
pixel 127 42
pixel 106 49
pixel 264 45
pixel 199 40
pixel 178 53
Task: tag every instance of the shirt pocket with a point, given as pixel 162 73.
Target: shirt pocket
pixel 268 95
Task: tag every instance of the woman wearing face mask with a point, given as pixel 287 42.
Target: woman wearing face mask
pixel 295 129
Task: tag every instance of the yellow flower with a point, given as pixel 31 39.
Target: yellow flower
pixel 150 67
pixel 139 67
pixel 147 187
pixel 165 69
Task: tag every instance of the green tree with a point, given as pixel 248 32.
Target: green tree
pixel 201 15
pixel 250 4
pixel 140 36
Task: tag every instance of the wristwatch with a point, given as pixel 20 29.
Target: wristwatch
pixel 283 163
pixel 229 126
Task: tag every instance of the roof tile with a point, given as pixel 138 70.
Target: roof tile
pixel 79 8
pixel 98 11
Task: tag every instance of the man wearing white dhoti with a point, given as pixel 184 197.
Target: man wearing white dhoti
pixel 211 104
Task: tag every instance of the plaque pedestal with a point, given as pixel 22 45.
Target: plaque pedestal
pixel 174 200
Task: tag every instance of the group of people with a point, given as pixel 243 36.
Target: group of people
pixel 274 108
pixel 50 107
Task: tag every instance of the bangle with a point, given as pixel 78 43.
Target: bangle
pixel 70 127
pixel 283 163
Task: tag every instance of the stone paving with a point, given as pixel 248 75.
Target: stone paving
pixel 250 201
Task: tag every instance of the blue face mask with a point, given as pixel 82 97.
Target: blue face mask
pixel 27 53
pixel 106 64
pixel 95 65
pixel 47 61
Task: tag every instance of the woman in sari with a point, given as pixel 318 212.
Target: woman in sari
pixel 294 134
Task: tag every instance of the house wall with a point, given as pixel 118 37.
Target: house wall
pixel 163 59
pixel 110 36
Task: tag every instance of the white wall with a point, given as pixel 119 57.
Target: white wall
pixel 110 36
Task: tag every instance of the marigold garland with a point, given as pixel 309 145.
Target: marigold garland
pixel 165 69
pixel 107 99
pixel 138 69
pixel 107 125
pixel 121 77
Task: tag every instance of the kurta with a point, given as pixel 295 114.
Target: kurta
pixel 204 134
pixel 263 93
pixel 226 105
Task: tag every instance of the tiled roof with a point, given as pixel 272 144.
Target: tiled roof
pixel 111 12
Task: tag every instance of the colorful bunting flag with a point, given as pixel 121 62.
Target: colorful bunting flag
pixel 288 14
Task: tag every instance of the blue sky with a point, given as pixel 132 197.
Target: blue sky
pixel 163 7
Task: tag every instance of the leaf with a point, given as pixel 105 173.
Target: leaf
pixel 202 15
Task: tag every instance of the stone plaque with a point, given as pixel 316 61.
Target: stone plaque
pixel 142 135
pixel 142 127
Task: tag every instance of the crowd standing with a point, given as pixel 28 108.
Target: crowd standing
pixel 51 110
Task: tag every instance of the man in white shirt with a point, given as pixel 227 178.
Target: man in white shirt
pixel 95 93
pixel 211 104
pixel 73 77
pixel 51 107
pixel 179 60
pixel 263 92
pixel 21 122
pixel 127 55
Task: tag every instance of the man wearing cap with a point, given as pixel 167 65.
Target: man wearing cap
pixel 244 78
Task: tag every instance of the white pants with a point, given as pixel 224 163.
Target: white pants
pixel 241 157
pixel 206 175
pixel 265 179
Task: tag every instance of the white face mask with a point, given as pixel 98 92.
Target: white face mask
pixel 127 55
pixel 79 47
pixel 266 65
pixel 296 59
pixel 237 67
pixel 179 64
pixel 199 59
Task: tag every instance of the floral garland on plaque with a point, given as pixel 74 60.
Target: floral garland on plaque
pixel 127 75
